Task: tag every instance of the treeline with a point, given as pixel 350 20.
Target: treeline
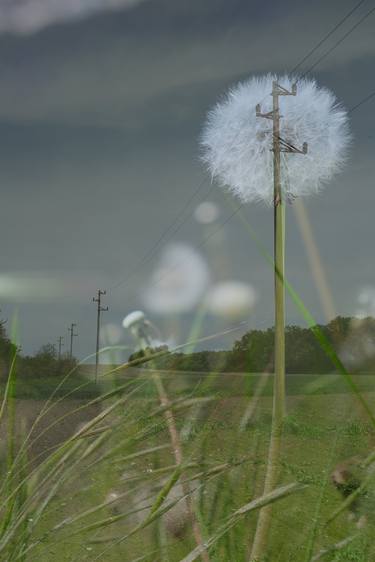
pixel 7 351
pixel 45 363
pixel 352 340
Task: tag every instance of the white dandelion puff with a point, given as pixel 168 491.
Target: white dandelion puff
pixel 133 319
pixel 237 144
pixel 207 212
pixel 30 287
pixel 145 332
pixel 366 302
pixel 178 282
pixel 231 299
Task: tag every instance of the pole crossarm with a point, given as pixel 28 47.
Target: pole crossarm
pixel 98 300
pixel 281 91
pixel 286 146
pixel 279 144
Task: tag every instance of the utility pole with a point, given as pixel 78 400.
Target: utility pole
pixel 279 145
pixel 72 335
pixel 100 309
pixel 61 340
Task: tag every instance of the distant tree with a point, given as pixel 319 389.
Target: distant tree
pixel 304 354
pixel 7 351
pixel 148 352
pixel 45 363
pixel 338 329
pixel 254 352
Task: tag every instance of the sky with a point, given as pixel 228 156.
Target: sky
pixel 102 104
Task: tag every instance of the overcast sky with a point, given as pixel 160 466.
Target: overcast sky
pixel 101 110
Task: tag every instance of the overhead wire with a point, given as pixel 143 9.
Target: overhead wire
pixel 203 243
pixel 362 102
pixel 150 253
pixel 349 32
pixel 168 232
pixel 327 36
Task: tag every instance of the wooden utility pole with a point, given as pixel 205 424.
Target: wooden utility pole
pixel 100 309
pixel 61 340
pixel 72 335
pixel 279 145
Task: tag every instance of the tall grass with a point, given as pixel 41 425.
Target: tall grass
pixel 116 488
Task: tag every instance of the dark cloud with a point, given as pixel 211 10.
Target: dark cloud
pixel 29 16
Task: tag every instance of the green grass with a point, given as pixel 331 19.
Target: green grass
pixel 225 465
pixel 41 388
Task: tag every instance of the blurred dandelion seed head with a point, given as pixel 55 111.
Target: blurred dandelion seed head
pixel 207 212
pixel 133 319
pixel 366 302
pixel 237 144
pixel 359 346
pixel 231 299
pixel 29 287
pixel 111 497
pixel 144 332
pixel 178 282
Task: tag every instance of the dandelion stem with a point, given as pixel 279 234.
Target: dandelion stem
pixel 278 413
pixel 177 448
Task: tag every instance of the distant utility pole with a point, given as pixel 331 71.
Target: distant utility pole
pixel 100 309
pixel 61 343
pixel 72 335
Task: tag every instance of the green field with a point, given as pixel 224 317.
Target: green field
pixel 224 463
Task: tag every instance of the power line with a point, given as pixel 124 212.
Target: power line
pixel 327 53
pixel 203 243
pixel 150 253
pixel 327 36
pixel 363 101
pixel 323 40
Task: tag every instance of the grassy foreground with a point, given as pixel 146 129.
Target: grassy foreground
pixel 113 492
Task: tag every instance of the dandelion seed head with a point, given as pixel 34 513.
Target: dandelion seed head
pixel 178 282
pixel 133 319
pixel 231 299
pixel 112 497
pixel 29 287
pixel 207 212
pixel 237 144
pixel 366 302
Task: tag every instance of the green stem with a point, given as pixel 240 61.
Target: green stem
pixel 278 413
pixel 177 450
